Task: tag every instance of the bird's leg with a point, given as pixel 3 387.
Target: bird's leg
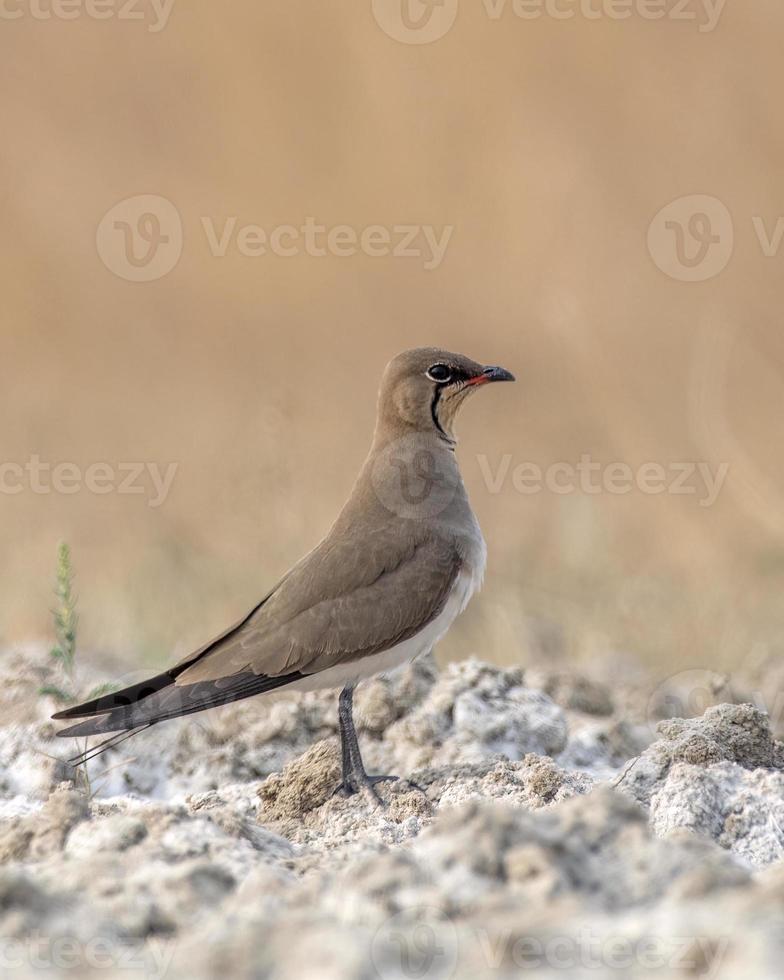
pixel 354 778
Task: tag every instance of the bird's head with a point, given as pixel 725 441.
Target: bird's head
pixel 423 389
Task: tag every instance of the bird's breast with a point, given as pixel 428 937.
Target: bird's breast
pixel 473 571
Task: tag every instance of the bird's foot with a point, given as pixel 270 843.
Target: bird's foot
pixel 361 782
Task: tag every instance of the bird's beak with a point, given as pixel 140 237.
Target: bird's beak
pixel 491 374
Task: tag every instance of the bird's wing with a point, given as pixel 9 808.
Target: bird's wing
pixel 346 599
pixel 342 601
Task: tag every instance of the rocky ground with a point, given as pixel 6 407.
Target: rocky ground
pixel 553 824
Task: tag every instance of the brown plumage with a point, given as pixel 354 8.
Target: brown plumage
pixel 399 563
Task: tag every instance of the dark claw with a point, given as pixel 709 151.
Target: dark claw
pixel 363 783
pixel 372 780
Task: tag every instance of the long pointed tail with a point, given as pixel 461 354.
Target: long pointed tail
pixel 160 698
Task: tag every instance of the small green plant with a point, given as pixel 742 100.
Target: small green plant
pixel 67 690
pixel 65 623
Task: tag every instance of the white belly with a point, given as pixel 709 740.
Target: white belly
pixel 465 585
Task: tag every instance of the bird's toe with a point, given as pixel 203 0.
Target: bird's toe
pixel 366 785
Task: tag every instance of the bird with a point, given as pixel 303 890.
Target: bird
pixel 399 564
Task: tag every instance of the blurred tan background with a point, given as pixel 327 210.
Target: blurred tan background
pixel 548 146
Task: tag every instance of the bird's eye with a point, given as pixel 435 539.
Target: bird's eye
pixel 439 372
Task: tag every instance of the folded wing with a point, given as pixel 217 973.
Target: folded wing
pixel 341 602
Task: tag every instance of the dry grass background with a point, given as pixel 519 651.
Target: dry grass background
pixel 549 146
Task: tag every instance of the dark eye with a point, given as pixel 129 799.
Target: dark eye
pixel 439 372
